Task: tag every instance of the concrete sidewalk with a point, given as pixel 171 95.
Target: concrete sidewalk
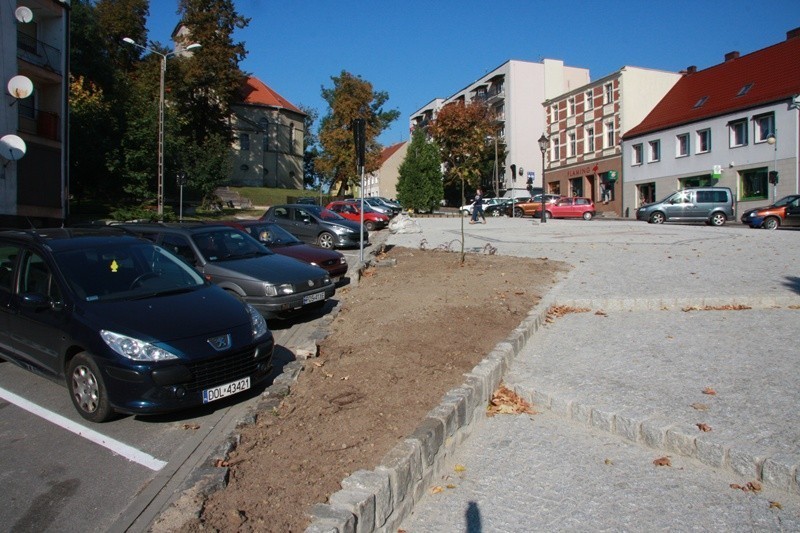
pixel 672 313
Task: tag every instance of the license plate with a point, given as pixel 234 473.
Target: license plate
pixel 209 395
pixel 316 297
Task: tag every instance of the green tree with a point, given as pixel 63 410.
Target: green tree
pixel 460 131
pixel 311 178
pixel 350 98
pixel 419 185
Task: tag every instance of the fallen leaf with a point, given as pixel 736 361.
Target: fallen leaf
pixel 601 313
pixel 704 427
pixel 437 490
pixel 663 461
pixel 507 402
pixel 319 363
pixel 775 505
pixel 220 463
pixel 709 391
pixel 459 468
pixel 345 378
pixel 699 406
pixel 191 426
pixel 609 462
pixel 450 486
pixel 755 486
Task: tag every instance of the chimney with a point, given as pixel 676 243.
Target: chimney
pixel 731 55
pixel 691 69
pixel 793 34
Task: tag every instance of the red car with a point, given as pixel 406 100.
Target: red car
pixel 570 207
pixel 282 242
pixel 352 211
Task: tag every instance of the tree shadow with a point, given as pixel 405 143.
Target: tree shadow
pixel 793 283
pixel 473 516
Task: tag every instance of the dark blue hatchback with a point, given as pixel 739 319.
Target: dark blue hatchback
pixel 127 326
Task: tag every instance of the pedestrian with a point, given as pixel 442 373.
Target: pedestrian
pixel 477 208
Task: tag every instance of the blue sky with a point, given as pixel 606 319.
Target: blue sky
pixel 417 50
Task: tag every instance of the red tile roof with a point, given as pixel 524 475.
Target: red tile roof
pixel 255 91
pixel 389 151
pixel 774 73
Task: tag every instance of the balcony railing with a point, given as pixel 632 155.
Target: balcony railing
pixel 38 53
pixel 37 122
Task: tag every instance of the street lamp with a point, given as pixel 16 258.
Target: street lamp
pixel 496 180
pixel 772 139
pixel 543 147
pixel 164 57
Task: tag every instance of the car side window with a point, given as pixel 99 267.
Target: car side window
pixel 8 256
pixel 179 245
pixel 37 278
pixel 301 215
pixel 280 212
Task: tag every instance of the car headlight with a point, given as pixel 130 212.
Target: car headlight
pixel 341 230
pixel 278 290
pixel 343 260
pixel 135 349
pixel 257 322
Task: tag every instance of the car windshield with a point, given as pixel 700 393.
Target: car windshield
pixel 125 271
pixel 272 235
pixel 787 200
pixel 228 245
pixel 327 214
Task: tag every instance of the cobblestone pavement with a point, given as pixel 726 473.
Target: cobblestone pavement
pixel 688 350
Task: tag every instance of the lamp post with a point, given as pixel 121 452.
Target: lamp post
pixel 164 57
pixel 772 139
pixel 496 179
pixel 543 142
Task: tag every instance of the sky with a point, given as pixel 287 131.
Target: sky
pixel 418 50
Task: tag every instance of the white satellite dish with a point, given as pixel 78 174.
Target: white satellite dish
pixel 20 86
pixel 23 14
pixel 12 147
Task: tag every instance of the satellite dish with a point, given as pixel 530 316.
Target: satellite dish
pixel 12 147
pixel 20 86
pixel 23 14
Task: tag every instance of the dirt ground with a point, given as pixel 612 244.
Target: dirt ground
pixel 405 335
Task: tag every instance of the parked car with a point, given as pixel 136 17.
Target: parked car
pixel 395 205
pixel 712 205
pixel 377 205
pixel 276 285
pixel 316 225
pixel 503 206
pixel 373 220
pixel 307 200
pixel 784 212
pixel 531 206
pixel 282 242
pixel 124 324
pixel 487 202
pixel 568 207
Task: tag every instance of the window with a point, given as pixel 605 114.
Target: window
pixel 703 141
pixel 682 145
pixel 554 113
pixel 700 102
pixel 655 151
pixel 608 93
pixel 35 277
pixel 610 134
pixel 763 126
pixel 571 144
pixel 589 140
pixel 556 154
pixel 179 245
pixel 244 141
pixel 737 131
pixel 636 154
pixel 744 90
pixel 588 99
pixel 754 184
pixel 571 107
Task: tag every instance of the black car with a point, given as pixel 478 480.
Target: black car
pixel 276 285
pixel 316 225
pixel 126 325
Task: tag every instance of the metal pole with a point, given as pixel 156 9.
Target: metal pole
pixel 180 213
pixel 161 139
pixel 361 232
pixel 775 168
pixel 496 180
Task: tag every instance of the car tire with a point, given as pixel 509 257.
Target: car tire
pixel 587 216
pixel 657 218
pixel 87 389
pixel 518 212
pixel 548 215
pixel 717 219
pixel 771 223
pixel 370 225
pixel 496 213
pixel 326 240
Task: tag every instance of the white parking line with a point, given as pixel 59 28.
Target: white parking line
pixel 115 446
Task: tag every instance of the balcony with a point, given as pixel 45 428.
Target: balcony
pixel 496 94
pixel 38 53
pixel 37 122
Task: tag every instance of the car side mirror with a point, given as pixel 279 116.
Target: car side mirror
pixel 35 300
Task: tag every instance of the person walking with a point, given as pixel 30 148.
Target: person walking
pixel 477 208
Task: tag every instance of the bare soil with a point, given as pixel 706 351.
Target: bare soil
pixel 405 335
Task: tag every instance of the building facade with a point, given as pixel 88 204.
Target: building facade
pixel 269 139
pixel 514 91
pixel 383 182
pixel 728 125
pixel 584 128
pixel 33 123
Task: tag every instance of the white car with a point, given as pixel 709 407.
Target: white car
pixel 467 209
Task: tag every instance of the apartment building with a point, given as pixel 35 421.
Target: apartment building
pixel 584 128
pixel 383 182
pixel 269 135
pixel 728 125
pixel 514 91
pixel 33 119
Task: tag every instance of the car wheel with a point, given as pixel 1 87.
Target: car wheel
pixel 465 212
pixel 496 213
pixel 771 223
pixel 325 240
pixel 548 215
pixel 87 389
pixel 657 218
pixel 518 212
pixel 717 219
pixel 370 225
pixel 587 215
